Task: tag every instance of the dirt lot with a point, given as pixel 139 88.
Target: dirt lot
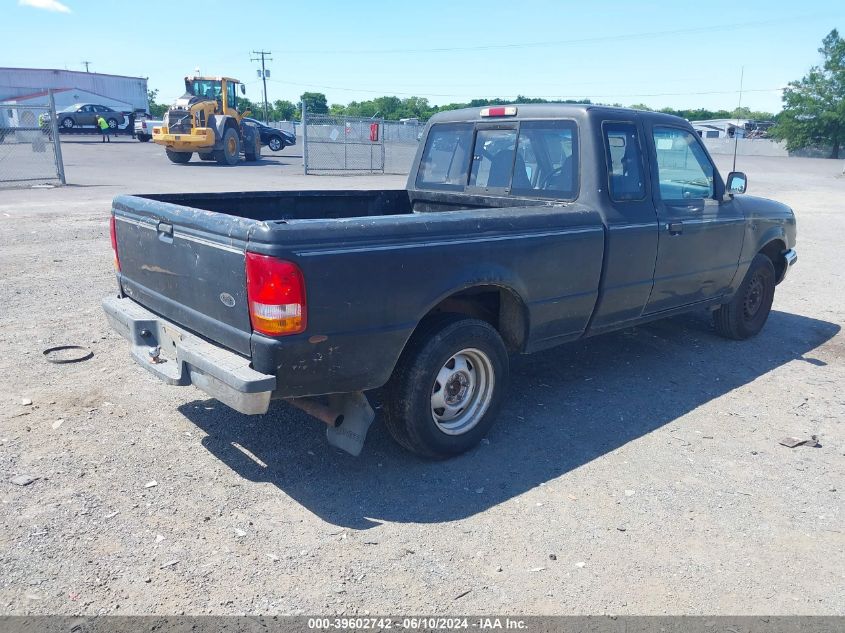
pixel 639 472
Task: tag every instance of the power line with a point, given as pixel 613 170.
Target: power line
pixel 571 96
pixel 264 74
pixel 571 42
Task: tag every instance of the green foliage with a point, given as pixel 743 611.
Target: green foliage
pixel 283 110
pixel 814 106
pixel 157 110
pixel 315 102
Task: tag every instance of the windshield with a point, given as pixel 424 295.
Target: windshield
pixel 208 88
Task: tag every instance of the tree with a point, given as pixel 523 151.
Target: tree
pixel 315 102
pixel 814 107
pixel 157 110
pixel 283 110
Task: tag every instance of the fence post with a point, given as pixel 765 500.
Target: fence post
pixel 57 145
pixel 304 139
pixel 381 138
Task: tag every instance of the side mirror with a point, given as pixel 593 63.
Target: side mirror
pixel 243 89
pixel 737 182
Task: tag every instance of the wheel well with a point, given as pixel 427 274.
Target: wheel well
pixel 498 306
pixel 773 251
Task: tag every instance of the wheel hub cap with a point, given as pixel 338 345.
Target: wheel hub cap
pixel 462 391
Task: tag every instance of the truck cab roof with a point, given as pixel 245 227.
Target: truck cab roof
pixel 546 111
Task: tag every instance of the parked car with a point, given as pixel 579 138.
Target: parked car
pixel 83 115
pixel 144 128
pixel 522 227
pixel 272 137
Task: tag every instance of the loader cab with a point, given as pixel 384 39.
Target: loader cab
pixel 223 90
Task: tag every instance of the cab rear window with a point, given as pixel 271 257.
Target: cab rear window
pixel 537 158
pixel 446 156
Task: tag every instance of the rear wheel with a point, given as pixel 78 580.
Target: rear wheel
pixel 447 388
pixel 143 138
pixel 747 312
pixel 231 151
pixel 255 154
pixel 178 157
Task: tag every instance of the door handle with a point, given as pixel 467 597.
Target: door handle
pixel 675 228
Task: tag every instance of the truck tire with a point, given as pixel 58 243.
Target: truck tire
pixel 206 155
pixel 748 310
pixel 447 388
pixel 231 151
pixel 178 157
pixel 255 154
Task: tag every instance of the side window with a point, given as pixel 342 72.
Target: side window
pixel 445 158
pixel 492 158
pixel 546 160
pixel 230 95
pixel 684 171
pixel 624 161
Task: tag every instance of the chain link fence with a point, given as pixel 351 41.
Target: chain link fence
pixel 351 145
pixel 30 151
pixel 336 144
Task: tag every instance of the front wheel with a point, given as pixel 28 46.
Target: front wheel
pixel 231 152
pixel 68 123
pixel 112 124
pixel 447 388
pixel 748 310
pixel 275 143
pixel 143 138
pixel 178 157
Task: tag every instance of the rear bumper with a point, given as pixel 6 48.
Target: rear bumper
pixel 186 359
pixel 790 257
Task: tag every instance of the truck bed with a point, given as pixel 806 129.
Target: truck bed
pixel 374 262
pixel 268 206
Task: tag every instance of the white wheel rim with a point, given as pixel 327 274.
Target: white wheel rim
pixel 462 391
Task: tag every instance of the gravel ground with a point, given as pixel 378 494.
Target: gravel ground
pixel 634 473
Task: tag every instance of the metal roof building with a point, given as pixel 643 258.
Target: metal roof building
pixel 19 82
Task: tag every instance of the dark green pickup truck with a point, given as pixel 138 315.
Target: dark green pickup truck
pixel 521 227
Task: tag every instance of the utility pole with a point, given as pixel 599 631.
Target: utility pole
pixel 264 74
pixel 86 66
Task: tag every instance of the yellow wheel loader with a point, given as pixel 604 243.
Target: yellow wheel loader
pixel 206 120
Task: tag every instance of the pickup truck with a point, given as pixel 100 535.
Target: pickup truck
pixel 144 129
pixel 521 227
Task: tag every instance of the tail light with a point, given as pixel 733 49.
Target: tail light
pixel 276 294
pixel 499 111
pixel 113 234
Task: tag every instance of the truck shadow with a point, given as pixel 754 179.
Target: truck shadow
pixel 565 407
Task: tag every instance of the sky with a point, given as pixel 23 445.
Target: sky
pixel 662 54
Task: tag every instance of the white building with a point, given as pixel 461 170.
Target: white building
pixel 108 89
pixel 63 97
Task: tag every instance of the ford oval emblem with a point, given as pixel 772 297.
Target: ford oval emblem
pixel 227 299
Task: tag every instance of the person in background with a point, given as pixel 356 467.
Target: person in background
pixel 104 128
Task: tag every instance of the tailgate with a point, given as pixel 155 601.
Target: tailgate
pixel 186 265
